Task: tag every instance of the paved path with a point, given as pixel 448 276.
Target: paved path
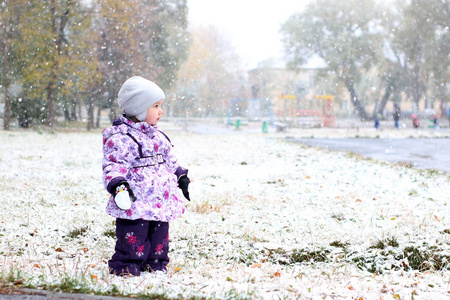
pixel 421 152
pixel 13 293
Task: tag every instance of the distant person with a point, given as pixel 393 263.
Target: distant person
pixel 415 121
pixel 435 122
pixel 377 122
pixel 143 177
pixel 448 114
pixel 396 115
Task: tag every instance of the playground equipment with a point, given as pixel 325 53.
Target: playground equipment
pixel 254 111
pixel 290 113
pixel 289 107
pixel 310 117
pixel 328 119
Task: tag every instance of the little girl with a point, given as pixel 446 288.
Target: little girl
pixel 143 176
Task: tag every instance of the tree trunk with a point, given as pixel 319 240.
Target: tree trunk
pixel 90 122
pixel 384 100
pixel 51 84
pixel 78 112
pixel 66 112
pixel 7 113
pixel 59 33
pixel 416 97
pixel 359 109
pixel 50 100
pixel 416 88
pixel 73 110
pixel 97 123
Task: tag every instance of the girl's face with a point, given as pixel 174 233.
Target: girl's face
pixel 154 113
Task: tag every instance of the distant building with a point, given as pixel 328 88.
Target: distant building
pixel 272 80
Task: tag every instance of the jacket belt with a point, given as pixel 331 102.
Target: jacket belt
pixel 148 161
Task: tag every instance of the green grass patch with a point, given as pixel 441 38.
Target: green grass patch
pixel 298 256
pixel 110 233
pixel 339 216
pixel 339 244
pixel 425 260
pixel 382 244
pixel 74 284
pixel 411 258
pixel 77 232
pixel 377 258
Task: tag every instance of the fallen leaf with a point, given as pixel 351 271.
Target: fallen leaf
pixel 58 249
pixel 177 269
pixel 18 282
pixel 358 200
pixel 308 177
pixel 85 249
pixel 351 288
pixel 257 265
pixel 94 277
pixel 277 274
pixel 37 266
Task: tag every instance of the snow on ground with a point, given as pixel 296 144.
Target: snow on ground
pixel 268 220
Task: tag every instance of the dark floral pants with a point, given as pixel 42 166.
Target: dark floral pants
pixel 141 246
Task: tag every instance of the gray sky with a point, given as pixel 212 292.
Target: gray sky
pixel 251 25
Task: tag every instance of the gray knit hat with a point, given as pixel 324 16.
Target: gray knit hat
pixel 137 94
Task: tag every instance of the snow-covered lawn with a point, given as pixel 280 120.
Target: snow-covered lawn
pixel 268 219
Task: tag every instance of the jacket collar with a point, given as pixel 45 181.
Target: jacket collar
pixel 140 126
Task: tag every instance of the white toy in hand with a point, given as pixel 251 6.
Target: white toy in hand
pixel 122 197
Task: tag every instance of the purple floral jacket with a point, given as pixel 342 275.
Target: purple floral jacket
pixel 140 154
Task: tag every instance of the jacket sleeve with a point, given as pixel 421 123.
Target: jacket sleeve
pixel 172 163
pixel 115 163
